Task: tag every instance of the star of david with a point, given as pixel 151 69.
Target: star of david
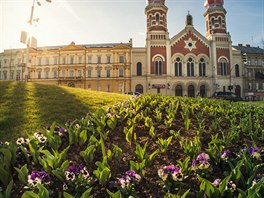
pixel 190 44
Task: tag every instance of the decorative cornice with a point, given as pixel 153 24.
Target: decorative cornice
pixel 156 6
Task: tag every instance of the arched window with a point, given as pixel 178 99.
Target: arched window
pixel 178 90
pixel 220 21
pixel 157 18
pixel 238 90
pixel 178 67
pixel 139 88
pixel 237 70
pixel 191 91
pixel 139 69
pixel 223 67
pixel 212 22
pixel 202 91
pixel 190 67
pixel 158 66
pixel 202 67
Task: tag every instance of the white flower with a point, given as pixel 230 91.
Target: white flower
pixel 70 176
pixel 20 141
pixel 256 155
pixel 37 134
pixel 162 175
pixel 64 187
pixel 42 139
pixel 34 182
pixel 122 182
pixel 26 140
pixel 177 176
pixel 85 173
pixel 204 165
pixel 137 177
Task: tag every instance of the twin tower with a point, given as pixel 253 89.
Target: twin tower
pixel 188 63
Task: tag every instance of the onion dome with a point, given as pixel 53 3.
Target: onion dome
pixel 213 3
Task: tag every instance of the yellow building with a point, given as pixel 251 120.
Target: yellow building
pixel 101 67
pixel 11 62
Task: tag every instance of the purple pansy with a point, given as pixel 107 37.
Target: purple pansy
pixel 170 171
pixel 201 162
pixel 38 177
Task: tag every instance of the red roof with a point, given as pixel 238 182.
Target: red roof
pixel 156 1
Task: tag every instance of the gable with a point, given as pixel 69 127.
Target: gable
pixel 72 47
pixel 190 41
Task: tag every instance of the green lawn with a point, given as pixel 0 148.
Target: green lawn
pixel 29 107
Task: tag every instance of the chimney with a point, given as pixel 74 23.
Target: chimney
pixel 247 45
pixel 240 45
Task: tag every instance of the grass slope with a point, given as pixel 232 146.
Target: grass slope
pixel 29 107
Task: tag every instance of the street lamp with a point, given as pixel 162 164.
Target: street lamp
pixel 27 39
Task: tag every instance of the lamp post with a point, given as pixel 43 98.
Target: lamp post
pixel 27 39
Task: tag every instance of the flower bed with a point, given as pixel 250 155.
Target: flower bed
pixel 149 146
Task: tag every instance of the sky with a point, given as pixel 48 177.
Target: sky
pixel 115 21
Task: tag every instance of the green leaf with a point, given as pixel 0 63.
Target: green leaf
pixel 30 194
pixel 209 189
pixel 9 189
pixel 253 191
pixel 97 173
pixel 117 152
pixel 67 195
pixel 26 154
pixel 7 157
pixel 87 193
pixel 43 192
pixel 109 154
pixel 88 154
pixel 152 131
pixel 141 152
pixel 185 194
pixel 241 194
pixel 83 137
pixel 33 147
pixel 5 176
pixel 22 174
pixel 111 123
pixel 223 183
pixel 104 176
pixel 114 195
pixel 148 122
pixel 129 133
pixel 59 172
pixel 151 157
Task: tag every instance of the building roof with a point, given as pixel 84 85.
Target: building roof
pixel 248 49
pixel 101 45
